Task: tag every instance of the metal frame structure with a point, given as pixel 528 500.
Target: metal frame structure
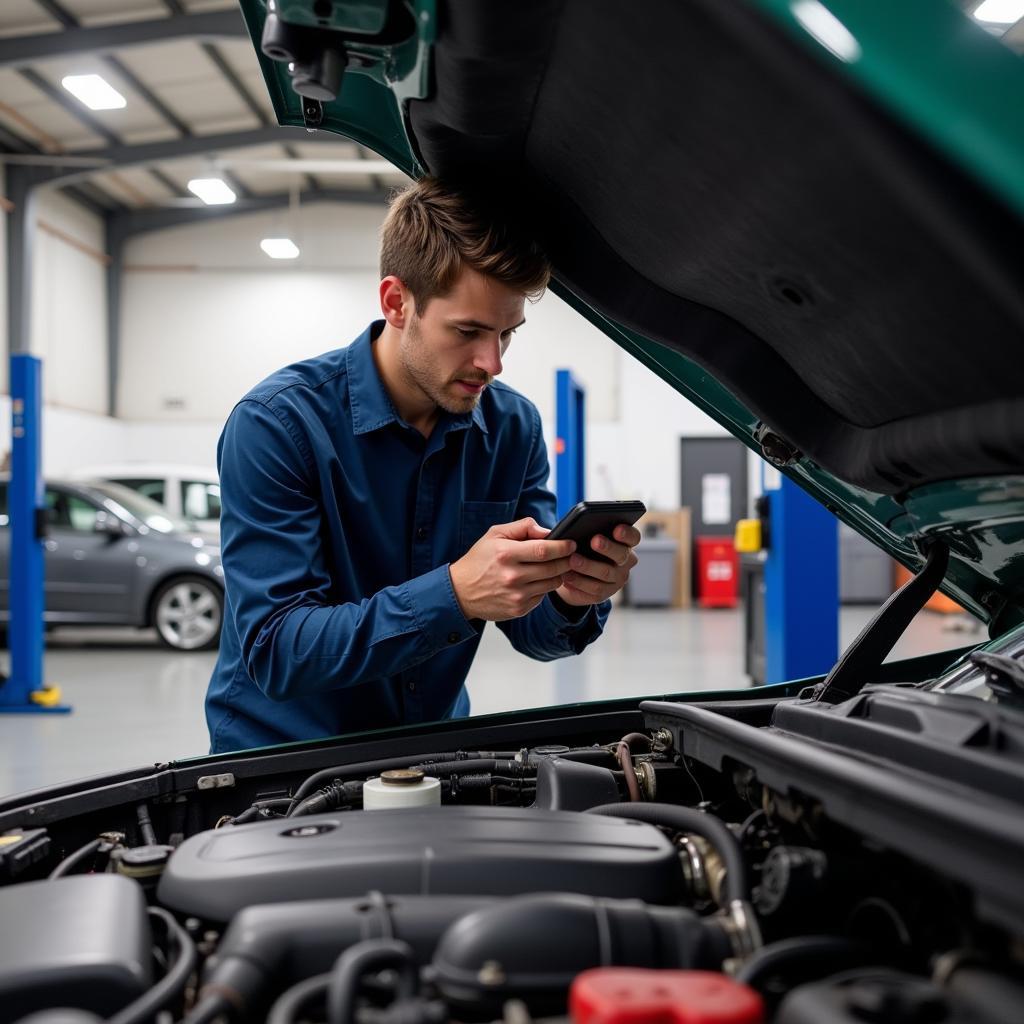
pixel 32 169
pixel 19 51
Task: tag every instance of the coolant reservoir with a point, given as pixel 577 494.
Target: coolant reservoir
pixel 404 787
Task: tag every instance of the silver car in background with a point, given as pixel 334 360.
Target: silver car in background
pixel 116 558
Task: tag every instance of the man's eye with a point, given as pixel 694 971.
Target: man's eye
pixel 466 332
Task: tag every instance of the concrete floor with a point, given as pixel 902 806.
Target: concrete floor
pixel 136 703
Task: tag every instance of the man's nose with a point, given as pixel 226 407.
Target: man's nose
pixel 488 357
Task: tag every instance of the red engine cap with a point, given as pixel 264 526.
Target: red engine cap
pixel 627 995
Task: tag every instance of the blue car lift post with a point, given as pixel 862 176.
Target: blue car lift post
pixel 570 485
pixel 801 578
pixel 23 691
pixel 570 450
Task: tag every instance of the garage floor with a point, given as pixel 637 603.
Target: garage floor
pixel 136 703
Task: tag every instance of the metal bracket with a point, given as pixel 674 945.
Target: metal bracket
pixel 312 114
pixel 775 449
pixel 223 781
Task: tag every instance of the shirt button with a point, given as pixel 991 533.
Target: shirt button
pixel 421 533
pixel 412 687
pixel 453 638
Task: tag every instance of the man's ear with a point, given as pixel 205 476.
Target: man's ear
pixel 396 302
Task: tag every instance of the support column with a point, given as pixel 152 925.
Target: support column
pixel 115 245
pixel 24 690
pixel 21 229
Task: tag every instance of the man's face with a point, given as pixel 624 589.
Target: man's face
pixel 452 349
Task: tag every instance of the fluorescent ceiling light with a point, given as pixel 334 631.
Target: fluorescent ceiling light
pixel 94 91
pixel 212 191
pixel 821 23
pixel 280 248
pixel 1000 12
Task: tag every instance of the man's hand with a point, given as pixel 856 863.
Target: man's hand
pixel 507 572
pixel 591 581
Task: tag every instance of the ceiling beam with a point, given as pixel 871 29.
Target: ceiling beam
pixel 142 154
pixel 69 22
pixel 89 196
pixel 18 51
pixel 240 88
pixel 75 109
pixel 352 165
pixel 12 144
pixel 137 222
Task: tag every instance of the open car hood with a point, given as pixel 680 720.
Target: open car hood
pixel 806 217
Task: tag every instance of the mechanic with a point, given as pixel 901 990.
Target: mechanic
pixel 381 502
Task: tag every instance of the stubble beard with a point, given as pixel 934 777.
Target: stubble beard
pixel 421 369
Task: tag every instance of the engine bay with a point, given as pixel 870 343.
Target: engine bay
pixel 642 875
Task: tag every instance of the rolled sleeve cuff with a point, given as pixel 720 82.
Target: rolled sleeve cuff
pixel 436 610
pixel 577 633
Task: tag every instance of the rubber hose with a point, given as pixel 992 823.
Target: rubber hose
pixel 72 860
pixel 172 984
pixel 824 953
pixel 360 959
pixel 685 819
pixel 625 756
pixel 288 1004
pixel 208 1009
pixel 367 768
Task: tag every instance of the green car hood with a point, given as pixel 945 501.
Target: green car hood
pixel 805 216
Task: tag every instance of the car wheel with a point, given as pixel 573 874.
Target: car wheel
pixel 187 613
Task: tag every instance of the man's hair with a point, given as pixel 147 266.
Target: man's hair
pixel 431 232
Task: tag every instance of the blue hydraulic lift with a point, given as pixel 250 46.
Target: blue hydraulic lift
pixel 801 577
pixel 570 446
pixel 570 484
pixel 23 690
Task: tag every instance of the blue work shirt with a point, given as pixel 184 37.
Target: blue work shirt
pixel 338 524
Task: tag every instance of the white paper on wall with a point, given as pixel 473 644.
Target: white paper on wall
pixel 716 499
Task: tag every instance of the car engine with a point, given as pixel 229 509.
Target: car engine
pixel 616 881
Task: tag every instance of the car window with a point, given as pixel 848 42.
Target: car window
pixel 69 511
pixel 81 514
pixel 56 505
pixel 131 503
pixel 200 500
pixel 150 488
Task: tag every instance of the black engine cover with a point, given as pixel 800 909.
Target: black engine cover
pixel 451 850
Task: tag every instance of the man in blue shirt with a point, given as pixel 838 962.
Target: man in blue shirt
pixel 382 502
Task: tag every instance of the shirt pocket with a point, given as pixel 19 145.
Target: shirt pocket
pixel 478 517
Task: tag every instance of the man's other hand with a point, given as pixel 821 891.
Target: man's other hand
pixel 507 572
pixel 591 581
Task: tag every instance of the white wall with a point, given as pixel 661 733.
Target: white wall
pixel 72 438
pixel 69 308
pixel 68 331
pixel 222 316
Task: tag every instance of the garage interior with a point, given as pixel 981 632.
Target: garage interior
pixel 154 309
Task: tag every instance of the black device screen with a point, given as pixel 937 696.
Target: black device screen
pixel 590 518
